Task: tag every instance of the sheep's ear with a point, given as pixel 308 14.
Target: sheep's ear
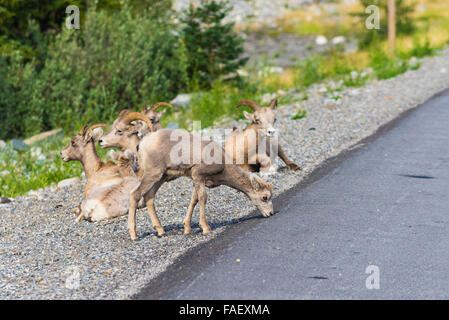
pixel 249 116
pixel 273 103
pixel 254 182
pixel 160 114
pixel 97 133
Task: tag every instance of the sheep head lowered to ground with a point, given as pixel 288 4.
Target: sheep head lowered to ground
pixel 155 154
pixel 243 146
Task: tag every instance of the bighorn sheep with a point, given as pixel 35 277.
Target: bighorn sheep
pixel 155 154
pixel 125 135
pixel 243 145
pixel 153 116
pixel 82 148
pixel 106 182
pixel 109 201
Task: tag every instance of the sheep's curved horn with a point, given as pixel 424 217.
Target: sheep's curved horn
pixel 81 132
pixel 131 116
pixel 249 103
pixel 95 126
pixel 122 113
pixel 160 104
pixel 273 103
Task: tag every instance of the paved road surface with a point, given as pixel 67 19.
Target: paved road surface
pixel 385 204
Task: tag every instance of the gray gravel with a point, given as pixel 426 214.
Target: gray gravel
pixel 40 242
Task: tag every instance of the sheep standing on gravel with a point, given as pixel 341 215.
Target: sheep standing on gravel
pixel 157 163
pixel 243 146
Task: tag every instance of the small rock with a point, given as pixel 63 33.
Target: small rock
pixel 5 200
pixel 267 97
pixel 242 73
pixel 18 145
pixel 172 126
pixel 321 40
pixel 33 193
pixel 338 40
pixel 281 93
pixel 278 70
pixel 67 183
pixel 181 100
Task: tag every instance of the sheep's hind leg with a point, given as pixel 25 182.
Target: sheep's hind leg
pixel 188 218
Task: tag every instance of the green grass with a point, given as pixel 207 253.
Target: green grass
pixel 22 171
pixel 301 113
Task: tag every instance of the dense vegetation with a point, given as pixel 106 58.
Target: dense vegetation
pixel 118 59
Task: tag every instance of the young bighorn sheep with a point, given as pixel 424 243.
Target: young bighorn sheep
pixel 242 145
pixel 105 181
pixel 110 201
pixel 155 153
pixel 82 148
pixel 125 135
pixel 153 116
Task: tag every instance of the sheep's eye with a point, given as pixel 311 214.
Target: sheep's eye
pixel 256 121
pixel 72 143
pixel 119 132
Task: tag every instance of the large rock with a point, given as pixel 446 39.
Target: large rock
pixel 18 145
pixel 42 136
pixel 68 183
pixel 181 100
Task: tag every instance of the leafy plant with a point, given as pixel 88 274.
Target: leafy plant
pixel 301 113
pixel 213 47
pixel 114 61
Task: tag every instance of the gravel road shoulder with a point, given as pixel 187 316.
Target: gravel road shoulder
pixel 41 246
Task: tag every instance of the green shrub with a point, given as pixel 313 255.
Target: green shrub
pixel 386 67
pixel 213 47
pixel 308 72
pixel 115 61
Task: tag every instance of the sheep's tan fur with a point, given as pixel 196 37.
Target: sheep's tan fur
pixel 104 180
pixel 242 145
pixel 157 165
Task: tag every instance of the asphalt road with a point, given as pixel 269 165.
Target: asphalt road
pixel 385 204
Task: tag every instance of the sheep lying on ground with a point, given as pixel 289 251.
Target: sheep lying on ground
pixel 108 184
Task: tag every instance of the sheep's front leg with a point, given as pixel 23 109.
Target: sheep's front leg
pixel 188 218
pixel 149 199
pixel 80 217
pixel 292 166
pixel 146 184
